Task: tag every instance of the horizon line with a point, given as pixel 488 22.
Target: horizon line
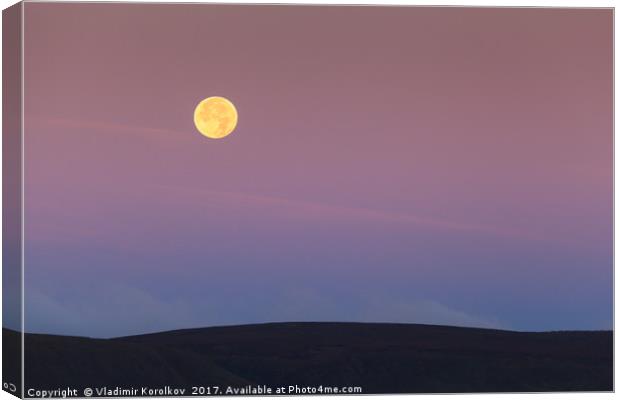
pixel 179 330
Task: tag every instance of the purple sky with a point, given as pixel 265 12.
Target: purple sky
pixel 433 165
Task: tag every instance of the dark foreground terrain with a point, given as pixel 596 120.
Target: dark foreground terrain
pixel 380 358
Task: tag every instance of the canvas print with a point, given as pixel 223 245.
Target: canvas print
pixel 227 199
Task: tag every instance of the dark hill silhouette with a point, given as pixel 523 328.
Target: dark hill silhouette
pixel 380 358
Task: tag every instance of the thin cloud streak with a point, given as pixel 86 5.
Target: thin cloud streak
pixel 315 208
pixel 337 211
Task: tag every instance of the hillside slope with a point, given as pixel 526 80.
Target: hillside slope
pixel 380 358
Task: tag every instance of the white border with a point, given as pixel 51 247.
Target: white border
pixel 497 3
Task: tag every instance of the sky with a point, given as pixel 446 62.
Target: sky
pixel 390 164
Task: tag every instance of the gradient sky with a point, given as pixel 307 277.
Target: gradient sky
pixel 432 165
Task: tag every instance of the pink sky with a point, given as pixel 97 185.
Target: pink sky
pixel 423 155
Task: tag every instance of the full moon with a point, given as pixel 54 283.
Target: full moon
pixel 215 117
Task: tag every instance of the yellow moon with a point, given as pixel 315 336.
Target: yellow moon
pixel 215 117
